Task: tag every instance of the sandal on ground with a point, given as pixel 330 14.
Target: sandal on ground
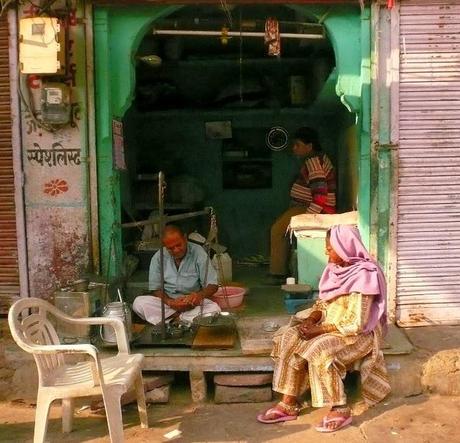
pixel 342 422
pixel 276 414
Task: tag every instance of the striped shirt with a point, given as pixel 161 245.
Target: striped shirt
pixel 315 186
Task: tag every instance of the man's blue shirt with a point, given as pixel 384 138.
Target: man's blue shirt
pixel 190 277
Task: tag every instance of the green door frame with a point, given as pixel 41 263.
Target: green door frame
pixel 118 32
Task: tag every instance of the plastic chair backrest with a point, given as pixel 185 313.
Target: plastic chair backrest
pixel 30 325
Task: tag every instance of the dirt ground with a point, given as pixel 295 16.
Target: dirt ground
pixel 420 419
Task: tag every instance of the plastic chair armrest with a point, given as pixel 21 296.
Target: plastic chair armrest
pixel 116 323
pixel 66 349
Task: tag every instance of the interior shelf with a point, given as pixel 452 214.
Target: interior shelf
pixel 229 112
pixel 246 159
pixel 233 61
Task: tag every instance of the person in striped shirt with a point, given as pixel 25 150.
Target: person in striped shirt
pixel 312 192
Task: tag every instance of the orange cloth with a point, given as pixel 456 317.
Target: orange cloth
pixel 272 37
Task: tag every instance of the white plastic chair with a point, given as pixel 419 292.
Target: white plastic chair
pixel 33 331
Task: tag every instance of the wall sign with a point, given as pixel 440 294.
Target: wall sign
pixel 218 130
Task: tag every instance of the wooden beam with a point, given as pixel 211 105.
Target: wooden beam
pixel 128 3
pixel 167 218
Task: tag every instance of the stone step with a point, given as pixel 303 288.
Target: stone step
pixel 158 395
pixel 244 379
pixel 242 394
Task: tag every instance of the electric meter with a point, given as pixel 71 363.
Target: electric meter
pixel 55 103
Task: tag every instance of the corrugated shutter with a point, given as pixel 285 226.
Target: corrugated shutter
pixel 9 273
pixel 428 228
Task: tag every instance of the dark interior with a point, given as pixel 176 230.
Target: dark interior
pixel 203 112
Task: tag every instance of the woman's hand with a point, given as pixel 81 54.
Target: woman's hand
pixel 307 332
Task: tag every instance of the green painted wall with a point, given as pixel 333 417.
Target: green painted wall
pixel 118 32
pixel 244 215
pixel 347 161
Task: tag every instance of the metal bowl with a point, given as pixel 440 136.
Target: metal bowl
pixel 214 319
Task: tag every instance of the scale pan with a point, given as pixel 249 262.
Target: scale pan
pixel 213 319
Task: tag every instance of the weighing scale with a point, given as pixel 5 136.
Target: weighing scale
pixel 209 331
pixel 216 330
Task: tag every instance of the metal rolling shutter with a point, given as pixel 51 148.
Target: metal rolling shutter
pixel 428 227
pixel 9 273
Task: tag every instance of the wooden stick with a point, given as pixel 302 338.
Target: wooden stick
pixel 167 218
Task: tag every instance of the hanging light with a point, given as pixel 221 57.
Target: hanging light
pixel 224 35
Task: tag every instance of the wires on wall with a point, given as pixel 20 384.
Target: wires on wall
pixel 228 13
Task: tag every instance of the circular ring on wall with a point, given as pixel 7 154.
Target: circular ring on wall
pixel 277 138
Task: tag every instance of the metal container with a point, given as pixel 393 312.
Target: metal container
pixel 77 304
pixel 119 310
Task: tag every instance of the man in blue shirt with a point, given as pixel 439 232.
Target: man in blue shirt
pixel 187 283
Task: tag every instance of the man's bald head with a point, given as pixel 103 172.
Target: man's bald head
pixel 172 229
pixel 175 241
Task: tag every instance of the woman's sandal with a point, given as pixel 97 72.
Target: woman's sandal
pixel 341 420
pixel 279 415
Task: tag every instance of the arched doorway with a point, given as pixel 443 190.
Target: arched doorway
pixel 118 35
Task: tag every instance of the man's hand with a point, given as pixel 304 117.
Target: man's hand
pixel 160 294
pixel 180 304
pixel 188 302
pixel 194 298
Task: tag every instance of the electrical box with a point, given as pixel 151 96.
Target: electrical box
pixel 39 45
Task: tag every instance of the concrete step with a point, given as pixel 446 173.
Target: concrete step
pixel 428 362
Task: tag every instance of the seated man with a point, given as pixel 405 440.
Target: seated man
pixel 313 192
pixel 187 283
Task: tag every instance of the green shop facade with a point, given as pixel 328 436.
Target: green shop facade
pixel 364 105
pixel 118 32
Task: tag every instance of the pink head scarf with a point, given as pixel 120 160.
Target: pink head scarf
pixel 363 274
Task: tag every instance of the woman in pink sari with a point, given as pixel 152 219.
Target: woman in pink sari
pixel 343 330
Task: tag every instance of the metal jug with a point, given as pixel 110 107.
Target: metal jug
pixel 119 310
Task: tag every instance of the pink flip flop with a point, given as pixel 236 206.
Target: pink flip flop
pixel 342 423
pixel 280 416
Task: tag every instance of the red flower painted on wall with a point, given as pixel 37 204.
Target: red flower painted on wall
pixel 55 187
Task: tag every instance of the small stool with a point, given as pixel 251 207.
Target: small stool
pixel 296 296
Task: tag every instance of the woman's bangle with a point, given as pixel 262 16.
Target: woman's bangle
pixel 329 328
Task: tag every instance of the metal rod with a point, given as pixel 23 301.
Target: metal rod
pixel 232 34
pixel 166 218
pixel 186 215
pixel 92 156
pixel 247 23
pixel 161 231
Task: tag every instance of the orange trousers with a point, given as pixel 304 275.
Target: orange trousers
pixel 279 241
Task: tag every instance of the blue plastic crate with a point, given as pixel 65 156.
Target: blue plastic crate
pixel 294 304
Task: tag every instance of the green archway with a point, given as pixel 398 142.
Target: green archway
pixel 118 32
